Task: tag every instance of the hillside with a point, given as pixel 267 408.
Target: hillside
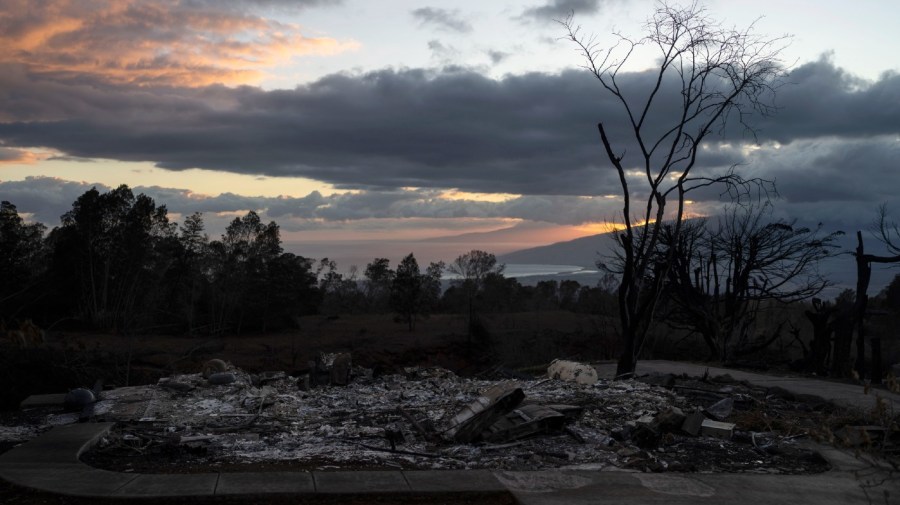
pixel 582 252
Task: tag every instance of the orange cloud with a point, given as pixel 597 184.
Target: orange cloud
pixel 10 155
pixel 148 42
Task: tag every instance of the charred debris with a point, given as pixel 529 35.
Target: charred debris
pixel 342 416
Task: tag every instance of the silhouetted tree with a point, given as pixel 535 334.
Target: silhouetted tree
pixel 379 278
pixel 719 276
pixel 293 288
pixel 187 280
pixel 499 293
pixel 888 233
pixel 241 281
pixel 414 294
pixel 340 293
pixel 471 269
pixel 22 261
pixel 705 75
pixel 111 253
pixel 568 294
pixel 892 294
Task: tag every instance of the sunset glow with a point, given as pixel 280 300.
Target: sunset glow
pixel 454 122
pixel 168 42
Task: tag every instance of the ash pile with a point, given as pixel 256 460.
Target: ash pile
pixel 341 416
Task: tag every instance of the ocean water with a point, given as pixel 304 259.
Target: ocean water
pixel 522 270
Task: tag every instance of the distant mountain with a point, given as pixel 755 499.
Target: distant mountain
pixel 583 252
pixel 511 234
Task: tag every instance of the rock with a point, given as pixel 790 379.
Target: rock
pixel 218 379
pixel 721 409
pixel 214 366
pixel 78 399
pixel 571 371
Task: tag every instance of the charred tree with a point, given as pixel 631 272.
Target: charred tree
pixel 706 76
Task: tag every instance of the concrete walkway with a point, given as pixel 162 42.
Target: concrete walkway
pixel 845 395
pixel 51 463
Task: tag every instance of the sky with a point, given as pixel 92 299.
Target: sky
pixel 368 128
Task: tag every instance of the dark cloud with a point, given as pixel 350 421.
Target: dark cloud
pixel 450 20
pixel 523 134
pixel 532 134
pixel 834 169
pixel 47 198
pixel 559 9
pixel 820 99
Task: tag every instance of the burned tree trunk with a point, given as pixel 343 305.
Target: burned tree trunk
pixel 821 341
pixel 863 274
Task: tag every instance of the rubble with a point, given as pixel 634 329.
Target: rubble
pixel 692 423
pixel 420 418
pixel 717 429
pixel 721 409
pixel 489 407
pixel 526 421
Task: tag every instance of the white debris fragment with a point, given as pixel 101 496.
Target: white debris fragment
pixel 571 371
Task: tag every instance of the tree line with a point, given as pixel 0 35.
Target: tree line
pixel 117 263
